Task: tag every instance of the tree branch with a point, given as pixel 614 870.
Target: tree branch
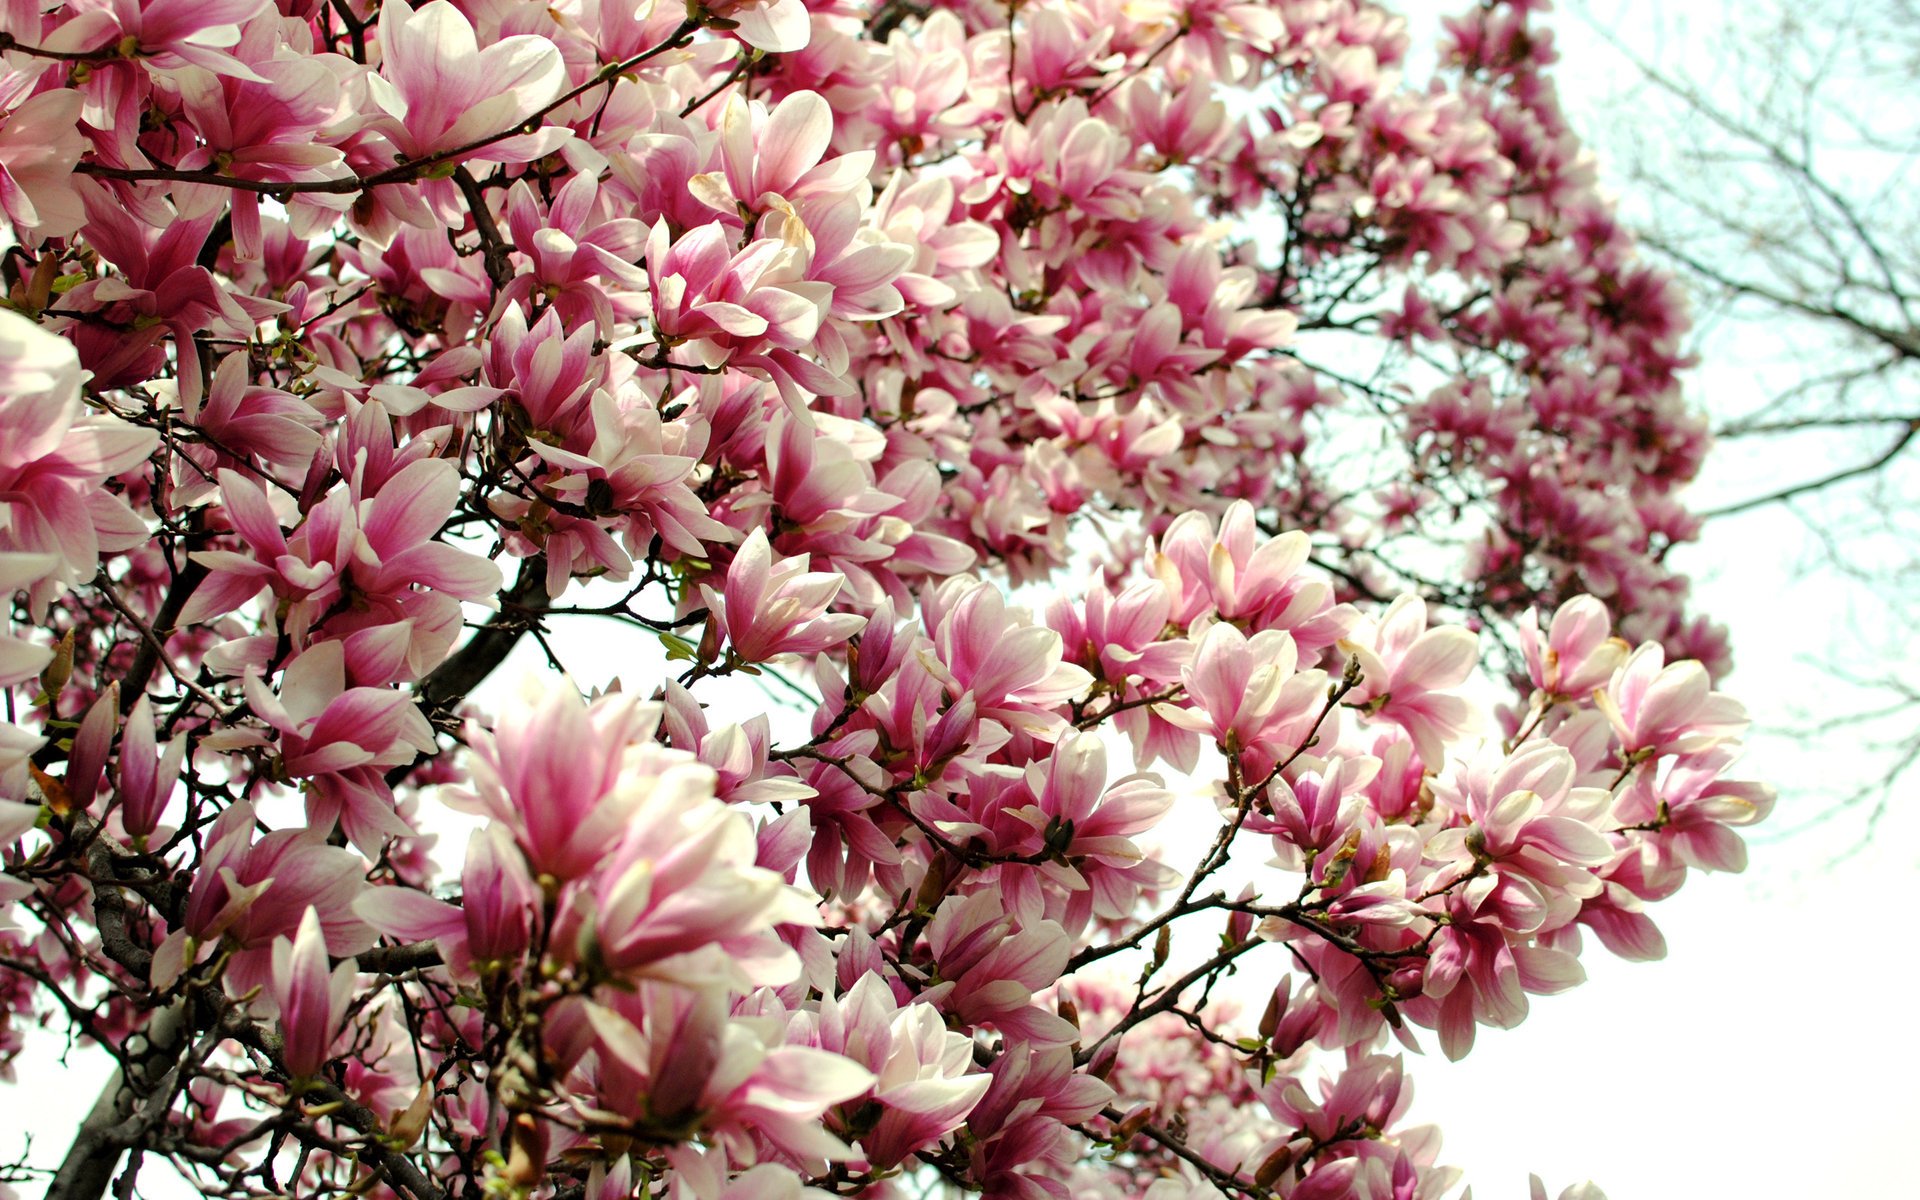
pixel 449 683
pixel 1813 485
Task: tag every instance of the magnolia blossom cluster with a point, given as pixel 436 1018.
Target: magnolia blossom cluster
pixel 347 346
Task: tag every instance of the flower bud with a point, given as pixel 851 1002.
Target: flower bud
pixel 1274 1166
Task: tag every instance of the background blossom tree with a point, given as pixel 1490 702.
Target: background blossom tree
pixel 350 346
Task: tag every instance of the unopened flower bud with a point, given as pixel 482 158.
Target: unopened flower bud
pixel 1274 1166
pixel 1131 1124
pixel 410 1123
pixel 527 1159
pixel 1239 927
pixel 1408 981
pixel 1270 1019
pixel 59 669
pixel 1069 1012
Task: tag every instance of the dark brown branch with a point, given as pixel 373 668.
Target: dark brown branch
pixel 105 53
pixel 448 684
pixel 1221 1177
pixel 1905 343
pixel 146 653
pixel 398 960
pixel 493 247
pixel 400 1171
pixel 1168 997
pixel 114 1125
pixel 1825 481
pixel 1801 424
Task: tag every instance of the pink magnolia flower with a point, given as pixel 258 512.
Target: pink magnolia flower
pixel 1019 1134
pixel 686 1059
pixel 491 925
pixel 991 969
pixel 1369 1094
pixel 681 895
pixel 92 741
pixel 264 125
pixel 1129 642
pixel 249 893
pixel 1657 707
pixel 707 1175
pixel 552 374
pixel 1693 812
pixel 1061 52
pixel 16 820
pixel 1407 673
pixel 327 729
pixel 820 470
pixel 1182 124
pixel 242 422
pixel 168 33
pixel 773 26
pixel 377 536
pixel 396 547
pixel 1069 161
pixel 579 259
pixel 1578 653
pixel 923 734
pixel 773 157
pixel 753 300
pixel 310 1002
pixel 564 776
pixel 849 846
pixel 736 752
pixel 639 472
pixel 293 571
pixel 1537 1190
pixel 922 215
pixel 1121 638
pixel 1066 804
pixel 1316 810
pixel 771 606
pixel 442 92
pixel 1150 348
pixel 54 461
pixel 1247 579
pixel 159 289
pixel 21 660
pixel 40 142
pixel 853 259
pixel 424 269
pixel 922 1090
pixel 1013 667
pixel 1246 694
pixel 1618 914
pixel 1534 831
pixel 924 1079
pixel 1476 974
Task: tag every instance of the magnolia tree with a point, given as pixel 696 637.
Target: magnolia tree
pixel 346 342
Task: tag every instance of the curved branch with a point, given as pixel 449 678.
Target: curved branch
pixel 113 1125
pixel 449 683
pixel 1813 485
